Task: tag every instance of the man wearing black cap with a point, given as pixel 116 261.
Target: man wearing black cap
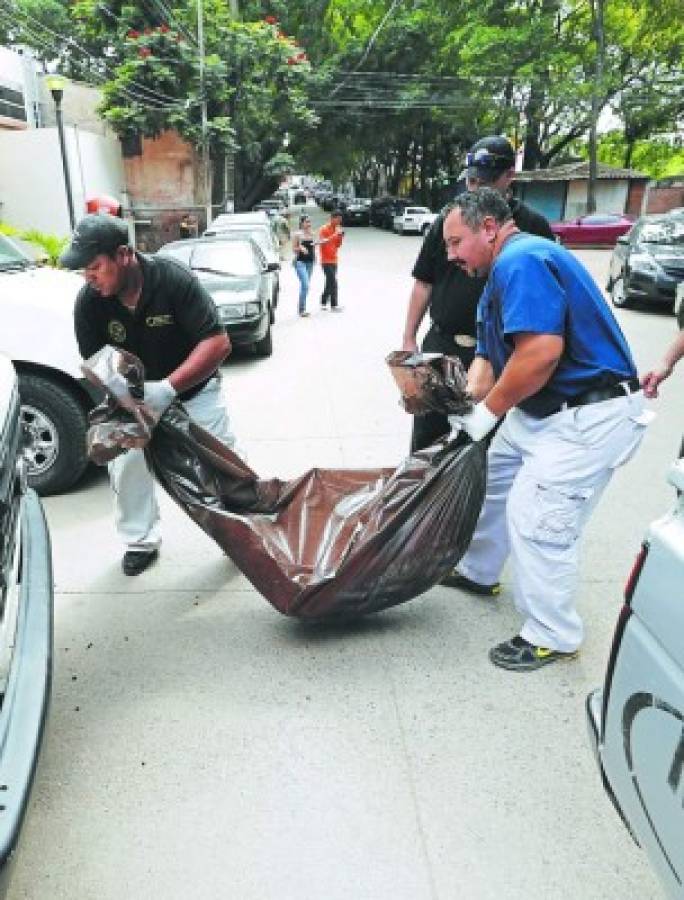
pixel 452 296
pixel 445 290
pixel 155 308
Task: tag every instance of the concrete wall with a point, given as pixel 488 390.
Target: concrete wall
pixel 79 104
pixel 611 197
pixel 32 190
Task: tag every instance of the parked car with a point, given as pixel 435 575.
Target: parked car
pixel 37 305
pixel 334 201
pixel 261 228
pixel 235 272
pixel 357 213
pixel 636 721
pixel 596 229
pixel 270 207
pixel 414 220
pixel 648 263
pixel 384 210
pixel 26 604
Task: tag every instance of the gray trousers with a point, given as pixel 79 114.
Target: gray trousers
pixel 136 511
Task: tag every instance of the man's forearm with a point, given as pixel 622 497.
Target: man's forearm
pixel 674 352
pixel 201 363
pixel 528 369
pixel 418 304
pixel 480 378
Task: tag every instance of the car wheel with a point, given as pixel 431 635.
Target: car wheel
pixel 55 425
pixel 424 230
pixel 617 293
pixel 264 347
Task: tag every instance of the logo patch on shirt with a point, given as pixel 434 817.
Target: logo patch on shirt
pixel 157 321
pixel 117 332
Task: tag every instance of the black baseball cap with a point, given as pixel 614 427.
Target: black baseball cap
pixel 490 155
pixel 96 233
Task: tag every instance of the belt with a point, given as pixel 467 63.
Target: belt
pixel 598 395
pixel 463 340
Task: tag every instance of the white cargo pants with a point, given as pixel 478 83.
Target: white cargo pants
pixel 545 476
pixel 136 511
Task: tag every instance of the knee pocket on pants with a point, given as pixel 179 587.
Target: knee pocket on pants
pixel 550 514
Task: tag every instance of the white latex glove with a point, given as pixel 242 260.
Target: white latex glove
pixel 159 395
pixel 477 423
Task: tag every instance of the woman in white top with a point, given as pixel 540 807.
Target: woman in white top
pixel 303 249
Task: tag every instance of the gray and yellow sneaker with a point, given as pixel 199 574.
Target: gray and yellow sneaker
pixel 456 580
pixel 519 655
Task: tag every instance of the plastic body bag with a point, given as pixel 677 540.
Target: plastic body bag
pixel 333 543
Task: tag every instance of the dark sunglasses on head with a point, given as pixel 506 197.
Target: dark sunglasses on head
pixel 485 159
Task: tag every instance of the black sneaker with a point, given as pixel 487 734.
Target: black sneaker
pixel 136 561
pixel 456 580
pixel 519 655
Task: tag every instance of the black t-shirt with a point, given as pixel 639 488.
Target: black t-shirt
pixel 308 244
pixel 174 313
pixel 454 296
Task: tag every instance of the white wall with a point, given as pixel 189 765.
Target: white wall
pixel 32 190
pixel 611 197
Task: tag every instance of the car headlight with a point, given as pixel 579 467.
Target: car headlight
pixel 642 262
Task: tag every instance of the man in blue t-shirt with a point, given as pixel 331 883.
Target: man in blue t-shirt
pixel 553 366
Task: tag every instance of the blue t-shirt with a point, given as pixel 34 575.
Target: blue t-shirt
pixel 539 287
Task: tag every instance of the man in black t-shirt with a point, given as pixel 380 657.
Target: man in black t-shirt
pixel 446 291
pixel 156 308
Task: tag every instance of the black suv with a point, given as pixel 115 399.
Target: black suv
pixel 25 624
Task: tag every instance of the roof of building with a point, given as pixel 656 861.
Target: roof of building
pixel 579 171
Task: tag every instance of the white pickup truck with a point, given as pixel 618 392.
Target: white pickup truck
pixel 38 336
pixel 414 219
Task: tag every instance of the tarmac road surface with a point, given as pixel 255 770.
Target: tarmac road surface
pixel 202 746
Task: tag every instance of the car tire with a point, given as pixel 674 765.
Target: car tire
pixel 55 423
pixel 264 347
pixel 618 295
pixel 424 230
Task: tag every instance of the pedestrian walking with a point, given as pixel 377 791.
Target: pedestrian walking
pixel 156 308
pixel 330 237
pixel 553 367
pixel 303 249
pixel 188 226
pixel 445 291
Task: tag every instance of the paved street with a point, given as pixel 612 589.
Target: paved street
pixel 202 746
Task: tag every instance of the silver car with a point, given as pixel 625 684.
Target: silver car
pixel 26 601
pixel 636 721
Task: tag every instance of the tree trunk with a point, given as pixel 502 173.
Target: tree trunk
pixel 598 34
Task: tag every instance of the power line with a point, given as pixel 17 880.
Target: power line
pixel 372 40
pixel 148 93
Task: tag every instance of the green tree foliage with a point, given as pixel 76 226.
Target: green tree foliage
pixel 388 92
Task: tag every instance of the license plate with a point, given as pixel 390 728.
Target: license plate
pixel 679 297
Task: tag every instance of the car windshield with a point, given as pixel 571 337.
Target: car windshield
pixel 666 231
pixel 232 258
pixel 11 257
pixel 262 236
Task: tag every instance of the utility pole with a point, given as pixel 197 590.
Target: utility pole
pixel 597 7
pixel 206 161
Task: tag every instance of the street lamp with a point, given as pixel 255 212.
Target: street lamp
pixel 55 84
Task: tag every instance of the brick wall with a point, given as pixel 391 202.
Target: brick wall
pixel 162 185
